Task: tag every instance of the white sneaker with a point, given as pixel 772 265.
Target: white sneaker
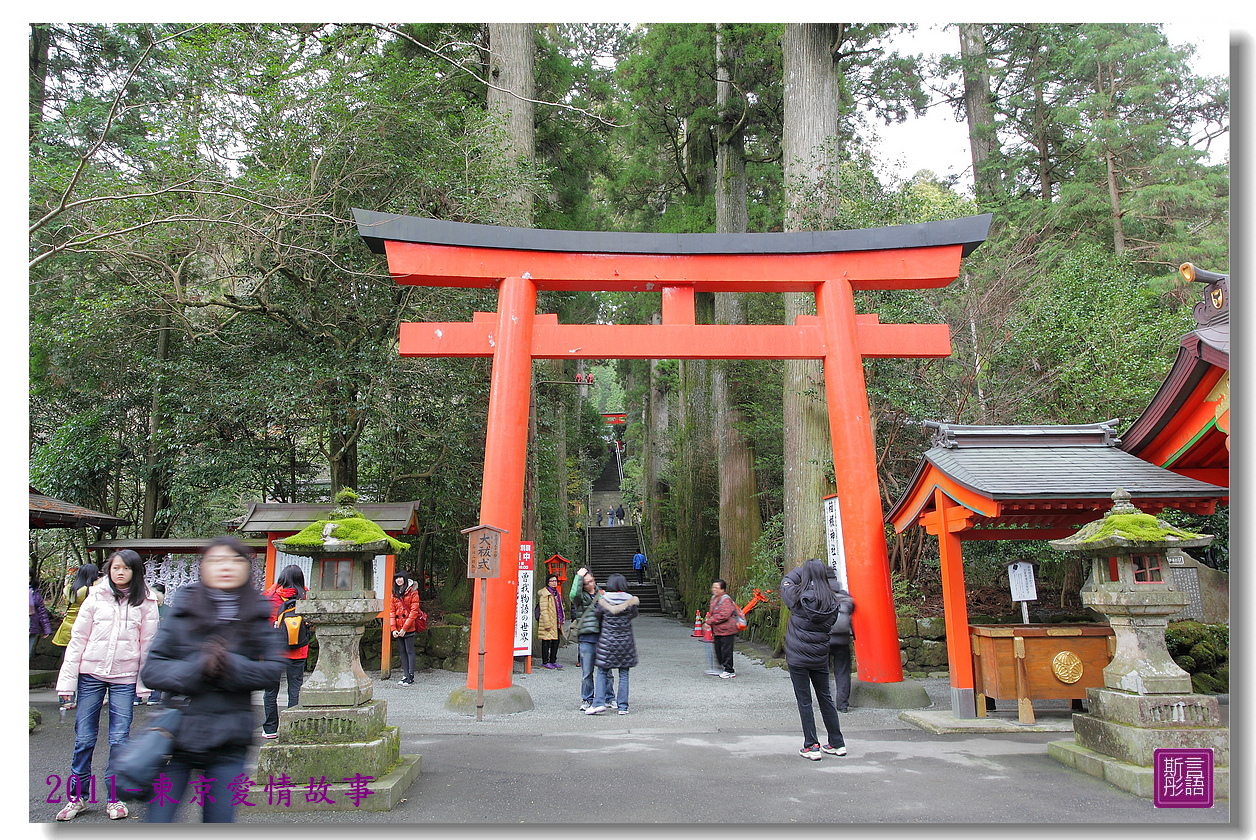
pixel 595 710
pixel 72 809
pixel 116 810
pixel 623 711
pixel 584 705
pixel 727 675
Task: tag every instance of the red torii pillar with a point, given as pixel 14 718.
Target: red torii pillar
pixel 831 264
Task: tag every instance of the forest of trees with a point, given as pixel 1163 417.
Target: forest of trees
pixel 207 328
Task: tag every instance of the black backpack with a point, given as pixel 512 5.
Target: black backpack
pixel 294 631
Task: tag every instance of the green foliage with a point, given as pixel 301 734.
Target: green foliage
pixel 906 595
pixel 1217 553
pixel 766 568
pixel 1203 651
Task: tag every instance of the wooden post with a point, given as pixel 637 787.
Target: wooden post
pixel 479 681
pixel 385 648
pixel 949 515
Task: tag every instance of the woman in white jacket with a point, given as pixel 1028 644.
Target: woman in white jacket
pixel 110 639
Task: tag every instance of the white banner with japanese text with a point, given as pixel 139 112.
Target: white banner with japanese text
pixel 524 603
pixel 833 539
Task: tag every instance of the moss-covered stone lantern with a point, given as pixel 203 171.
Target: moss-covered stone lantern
pixel 339 731
pixel 1146 702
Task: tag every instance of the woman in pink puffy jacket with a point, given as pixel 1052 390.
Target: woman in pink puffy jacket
pixel 110 639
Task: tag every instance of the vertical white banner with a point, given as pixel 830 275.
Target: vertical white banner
pixel 833 539
pixel 524 601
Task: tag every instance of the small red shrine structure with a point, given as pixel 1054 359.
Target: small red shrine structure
pixel 1042 482
pixel 1186 428
pixel 519 262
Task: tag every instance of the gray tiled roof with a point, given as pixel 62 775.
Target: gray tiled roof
pixel 393 517
pixel 1062 472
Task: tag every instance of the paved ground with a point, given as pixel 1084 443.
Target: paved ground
pixel 693 749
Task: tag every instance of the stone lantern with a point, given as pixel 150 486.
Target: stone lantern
pixel 1146 702
pixel 339 731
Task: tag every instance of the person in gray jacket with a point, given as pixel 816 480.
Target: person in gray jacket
pixel 616 647
pixel 812 610
pixel 839 644
pixel 584 594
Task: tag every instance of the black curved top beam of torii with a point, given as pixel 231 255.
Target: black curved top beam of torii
pixel 377 228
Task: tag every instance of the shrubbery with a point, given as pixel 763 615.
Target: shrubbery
pixel 1203 651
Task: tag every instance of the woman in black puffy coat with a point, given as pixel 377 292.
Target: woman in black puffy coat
pixel 616 647
pixel 813 608
pixel 215 648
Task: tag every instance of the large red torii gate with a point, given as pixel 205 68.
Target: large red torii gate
pixel 832 264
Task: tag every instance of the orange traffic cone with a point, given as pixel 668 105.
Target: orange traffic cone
pixel 697 624
pixel 708 636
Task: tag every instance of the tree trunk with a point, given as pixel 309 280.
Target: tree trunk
pixel 345 426
pixel 559 429
pixel 153 475
pixel 982 139
pixel 656 446
pixel 1114 191
pixel 1041 135
pixel 740 522
pixel 512 76
pixel 41 38
pixel 810 127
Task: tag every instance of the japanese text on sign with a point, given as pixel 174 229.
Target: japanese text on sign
pixel 1021 577
pixel 484 553
pixel 524 603
pixel 833 539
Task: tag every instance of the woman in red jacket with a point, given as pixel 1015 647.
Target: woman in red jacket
pixel 288 586
pixel 405 619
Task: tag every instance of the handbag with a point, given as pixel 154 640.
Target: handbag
pixel 146 755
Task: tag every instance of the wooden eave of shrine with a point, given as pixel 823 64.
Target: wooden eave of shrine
pixel 1185 427
pixel 172 545
pixel 1178 429
pixel 287 518
pixel 1036 482
pixel 47 512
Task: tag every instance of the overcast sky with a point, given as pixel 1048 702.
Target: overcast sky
pixel 938 142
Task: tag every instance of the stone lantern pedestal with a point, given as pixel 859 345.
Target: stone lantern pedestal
pixel 1146 702
pixel 338 734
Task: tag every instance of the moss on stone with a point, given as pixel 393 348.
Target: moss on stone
pixel 1136 527
pixel 357 530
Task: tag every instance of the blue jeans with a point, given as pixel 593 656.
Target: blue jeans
pixel 606 688
pixel 219 769
pixel 805 679
pixel 588 651
pixel 91 697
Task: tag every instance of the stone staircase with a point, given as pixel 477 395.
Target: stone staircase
pixel 610 552
pixel 611 549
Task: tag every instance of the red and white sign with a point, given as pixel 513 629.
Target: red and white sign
pixel 524 601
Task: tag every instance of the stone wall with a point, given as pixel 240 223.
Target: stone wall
pixel 444 647
pixel 922 646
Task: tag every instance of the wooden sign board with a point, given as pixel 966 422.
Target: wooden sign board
pixel 484 551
